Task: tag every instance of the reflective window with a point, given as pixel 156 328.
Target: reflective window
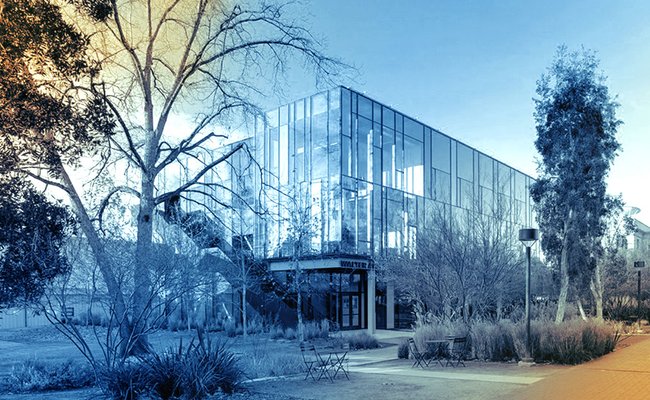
pixel 348 232
pixel 388 160
pixel 346 156
pixel 465 162
pixel 413 166
pixel 388 118
pixel 365 107
pixel 319 137
pixel 440 152
pixel 413 129
pixel 486 173
pixel 346 112
pixel 364 136
pixel 520 186
pixel 465 193
pixel 503 183
pixel 441 186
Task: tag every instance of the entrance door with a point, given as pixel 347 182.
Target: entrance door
pixel 350 311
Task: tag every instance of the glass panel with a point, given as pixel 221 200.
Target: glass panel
pixel 465 162
pixel 441 186
pixel 284 155
pixel 365 107
pixel 346 156
pixel 465 193
pixel 486 173
pixel 520 186
pixel 413 166
pixel 334 152
pixel 364 134
pixel 388 118
pixel 376 134
pixel 440 152
pixel 503 184
pixel 413 129
pixel 388 161
pixel 318 104
pixel 398 182
pixel 319 137
pixel 363 204
pixel 348 231
pixel 487 199
pixel 345 112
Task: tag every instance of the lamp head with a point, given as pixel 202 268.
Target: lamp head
pixel 528 236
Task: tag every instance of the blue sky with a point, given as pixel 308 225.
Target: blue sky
pixel 469 68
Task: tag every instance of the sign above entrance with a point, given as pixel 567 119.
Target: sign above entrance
pixel 327 263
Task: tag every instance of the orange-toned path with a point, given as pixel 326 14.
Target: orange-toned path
pixel 623 374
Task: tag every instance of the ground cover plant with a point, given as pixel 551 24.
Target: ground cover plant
pixel 34 376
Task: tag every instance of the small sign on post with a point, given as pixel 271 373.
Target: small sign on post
pixel 639 264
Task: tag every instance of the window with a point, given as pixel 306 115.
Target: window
pixel 440 152
pixel 413 166
pixel 465 162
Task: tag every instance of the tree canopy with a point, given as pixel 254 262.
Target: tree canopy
pixel 204 62
pixel 31 239
pixel 576 126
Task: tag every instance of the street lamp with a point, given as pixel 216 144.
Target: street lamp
pixel 528 237
pixel 638 265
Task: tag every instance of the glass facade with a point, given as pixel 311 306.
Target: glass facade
pixel 370 177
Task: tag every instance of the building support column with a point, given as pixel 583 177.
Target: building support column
pixel 390 305
pixel 372 289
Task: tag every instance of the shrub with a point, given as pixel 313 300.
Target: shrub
pixel 262 362
pixel 230 327
pixel 362 340
pixel 574 342
pixel 127 381
pixel 492 341
pixel 276 332
pixel 403 349
pixel 195 371
pixel 438 330
pixel 313 330
pixel 290 334
pixel 34 375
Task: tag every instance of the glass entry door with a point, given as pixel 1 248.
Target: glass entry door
pixel 350 311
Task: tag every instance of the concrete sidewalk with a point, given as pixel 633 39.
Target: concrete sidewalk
pixel 623 374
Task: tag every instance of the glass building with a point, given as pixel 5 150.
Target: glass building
pixel 355 180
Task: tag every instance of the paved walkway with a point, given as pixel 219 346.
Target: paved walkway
pixel 623 374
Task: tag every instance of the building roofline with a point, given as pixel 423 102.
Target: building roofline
pixel 431 127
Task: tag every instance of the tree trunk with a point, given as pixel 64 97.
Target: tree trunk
pixel 301 331
pixel 244 276
pixel 499 305
pixel 596 287
pixel 583 315
pixel 117 303
pixel 564 273
pixel 142 295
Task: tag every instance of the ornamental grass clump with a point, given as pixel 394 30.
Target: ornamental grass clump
pixel 574 342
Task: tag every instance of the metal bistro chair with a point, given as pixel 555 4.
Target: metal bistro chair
pixel 457 350
pixel 314 362
pixel 340 361
pixel 419 357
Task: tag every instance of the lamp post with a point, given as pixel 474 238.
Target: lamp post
pixel 528 237
pixel 638 265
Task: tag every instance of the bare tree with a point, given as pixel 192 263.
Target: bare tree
pixel 166 64
pixel 463 264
